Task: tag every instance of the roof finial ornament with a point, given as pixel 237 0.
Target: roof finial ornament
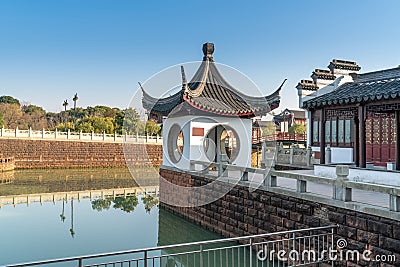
pixel 184 81
pixel 208 50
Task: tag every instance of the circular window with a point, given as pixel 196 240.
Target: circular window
pixel 175 143
pixel 226 139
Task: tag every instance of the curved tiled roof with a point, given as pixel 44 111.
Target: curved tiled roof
pixel 208 91
pixel 368 87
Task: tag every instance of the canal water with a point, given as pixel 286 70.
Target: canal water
pixel 48 214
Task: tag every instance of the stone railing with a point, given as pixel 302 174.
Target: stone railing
pixel 341 187
pixel 77 136
pixel 295 156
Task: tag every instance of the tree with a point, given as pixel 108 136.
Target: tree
pixel 152 127
pixel 95 124
pixel 9 100
pixel 128 121
pixel 84 126
pixel 12 115
pixel 297 128
pixel 34 116
pixel 1 119
pixel 269 128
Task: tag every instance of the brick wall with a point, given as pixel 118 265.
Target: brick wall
pixel 73 154
pixel 241 213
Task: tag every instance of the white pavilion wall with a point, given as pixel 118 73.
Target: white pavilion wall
pixel 194 145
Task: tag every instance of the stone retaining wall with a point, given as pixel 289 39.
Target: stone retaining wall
pixel 31 154
pixel 241 213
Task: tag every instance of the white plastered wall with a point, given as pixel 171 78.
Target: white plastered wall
pixel 193 148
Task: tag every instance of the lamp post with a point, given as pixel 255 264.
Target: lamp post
pixel 65 104
pixel 72 219
pixel 62 216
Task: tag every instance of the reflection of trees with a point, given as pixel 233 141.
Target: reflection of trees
pixel 149 202
pixel 127 204
pixel 101 204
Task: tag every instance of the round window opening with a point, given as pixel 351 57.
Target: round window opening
pixel 221 141
pixel 175 143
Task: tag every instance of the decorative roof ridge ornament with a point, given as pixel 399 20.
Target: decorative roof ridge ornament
pixel 208 50
pixel 185 86
pixel 202 82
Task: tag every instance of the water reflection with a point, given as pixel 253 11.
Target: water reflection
pixel 127 204
pixel 62 213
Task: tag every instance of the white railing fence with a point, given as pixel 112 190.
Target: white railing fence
pixel 78 136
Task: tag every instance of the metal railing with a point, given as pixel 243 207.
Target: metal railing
pixel 78 136
pixel 311 246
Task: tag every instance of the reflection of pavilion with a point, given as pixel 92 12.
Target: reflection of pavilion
pixel 208 119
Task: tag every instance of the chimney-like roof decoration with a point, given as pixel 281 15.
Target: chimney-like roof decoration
pixel 307 85
pixel 344 65
pixel 367 87
pixel 209 92
pixel 323 74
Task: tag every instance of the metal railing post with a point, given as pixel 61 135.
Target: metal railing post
pixel 16 131
pixel 30 132
pixel 55 133
pixel 201 256
pixel 2 131
pixel 68 133
pixel 115 136
pixel 145 258
pixel 80 263
pixel 80 135
pixel 104 135
pixel 251 252
pixel 43 133
pixel 91 135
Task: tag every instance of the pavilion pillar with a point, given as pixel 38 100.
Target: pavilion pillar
pixel 322 138
pixel 362 157
pixel 397 113
pixel 356 143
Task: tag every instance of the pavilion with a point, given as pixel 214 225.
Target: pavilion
pixel 208 119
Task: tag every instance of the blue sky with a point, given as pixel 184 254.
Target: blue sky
pixel 49 50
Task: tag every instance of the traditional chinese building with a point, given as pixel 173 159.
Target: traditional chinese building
pixel 208 119
pixel 358 119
